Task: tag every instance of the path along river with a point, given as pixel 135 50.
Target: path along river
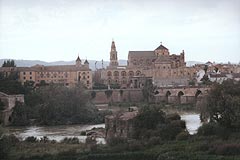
pixel 60 132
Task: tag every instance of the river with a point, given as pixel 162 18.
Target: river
pixel 62 131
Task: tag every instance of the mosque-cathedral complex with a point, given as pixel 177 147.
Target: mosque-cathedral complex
pixel 163 68
pixel 159 65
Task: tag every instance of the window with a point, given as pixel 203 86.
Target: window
pixel 30 77
pixel 138 73
pixel 116 73
pixel 24 77
pixel 123 73
pixel 131 73
pixel 30 73
pixel 87 82
pixel 109 73
pixel 24 73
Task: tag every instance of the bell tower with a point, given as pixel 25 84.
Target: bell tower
pixel 113 55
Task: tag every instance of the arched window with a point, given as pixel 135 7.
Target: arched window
pixel 131 73
pixel 109 73
pixel 138 73
pixel 116 73
pixel 123 73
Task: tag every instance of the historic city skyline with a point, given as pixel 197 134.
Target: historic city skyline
pixel 60 30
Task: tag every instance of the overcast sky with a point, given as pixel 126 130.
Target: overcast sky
pixel 51 30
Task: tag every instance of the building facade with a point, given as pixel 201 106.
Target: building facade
pixel 63 74
pixel 163 68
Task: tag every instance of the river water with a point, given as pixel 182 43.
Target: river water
pixel 60 132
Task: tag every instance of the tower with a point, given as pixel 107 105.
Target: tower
pixel 113 55
pixel 161 50
pixel 78 62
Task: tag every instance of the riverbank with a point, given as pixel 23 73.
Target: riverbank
pixel 194 148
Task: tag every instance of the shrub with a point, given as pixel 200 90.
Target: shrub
pixel 154 141
pixel 116 141
pixel 173 116
pixel 184 135
pixel 91 140
pixel 10 140
pixel 211 129
pixel 179 123
pixel 73 140
pixel 227 149
pixel 44 139
pixel 6 142
pixel 135 145
pixel 31 139
pixel 169 131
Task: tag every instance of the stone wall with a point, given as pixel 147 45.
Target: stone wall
pixel 120 125
pixel 9 102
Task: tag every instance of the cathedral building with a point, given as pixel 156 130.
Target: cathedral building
pixel 63 74
pixel 163 68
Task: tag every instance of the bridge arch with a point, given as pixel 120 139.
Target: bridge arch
pixel 179 95
pixel 168 93
pixel 198 92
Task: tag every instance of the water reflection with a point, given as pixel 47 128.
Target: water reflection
pixel 60 132
pixel 193 122
pixel 55 132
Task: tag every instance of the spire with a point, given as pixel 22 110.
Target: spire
pixel 113 55
pixel 86 62
pixel 113 47
pixel 78 58
pixel 78 61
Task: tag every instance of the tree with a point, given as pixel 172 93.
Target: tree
pixel 58 104
pixel 149 117
pixel 19 115
pixel 148 90
pixel 9 63
pixel 223 104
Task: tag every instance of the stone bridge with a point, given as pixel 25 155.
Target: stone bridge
pixel 9 102
pixel 174 95
pixel 180 95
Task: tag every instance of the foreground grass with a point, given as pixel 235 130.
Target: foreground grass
pixel 195 148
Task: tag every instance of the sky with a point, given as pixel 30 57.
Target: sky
pixel 53 30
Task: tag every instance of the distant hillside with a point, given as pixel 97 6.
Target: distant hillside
pixel 192 63
pixel 29 63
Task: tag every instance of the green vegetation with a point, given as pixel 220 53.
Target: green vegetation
pixel 9 63
pixel 223 104
pixel 10 85
pixel 156 136
pixel 193 148
pixel 57 104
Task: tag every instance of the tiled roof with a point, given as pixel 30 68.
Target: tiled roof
pixel 141 53
pixel 161 47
